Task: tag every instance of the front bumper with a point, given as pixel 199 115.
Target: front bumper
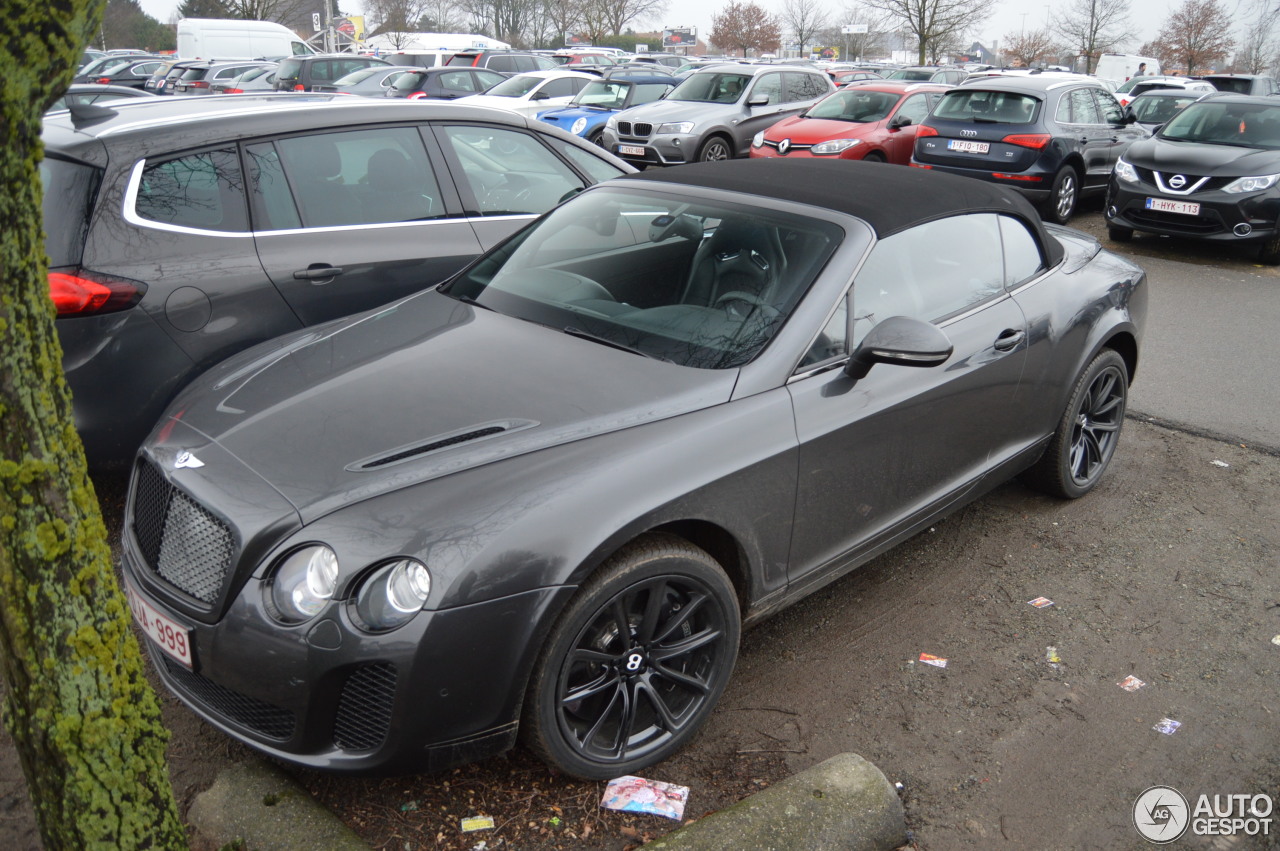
pixel 444 689
pixel 657 150
pixel 1222 216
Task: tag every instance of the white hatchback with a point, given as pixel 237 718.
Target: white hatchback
pixel 531 93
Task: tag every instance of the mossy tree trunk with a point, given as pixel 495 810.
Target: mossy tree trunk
pixel 86 722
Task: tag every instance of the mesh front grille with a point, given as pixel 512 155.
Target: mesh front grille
pixel 257 715
pixel 364 711
pixel 642 130
pixel 181 541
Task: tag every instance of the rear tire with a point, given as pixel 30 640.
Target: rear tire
pixel 1087 434
pixel 1119 234
pixel 596 137
pixel 1063 197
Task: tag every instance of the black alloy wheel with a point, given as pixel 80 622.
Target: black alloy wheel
pixel 636 663
pixel 1088 432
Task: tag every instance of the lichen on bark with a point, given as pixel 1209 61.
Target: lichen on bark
pixel 81 712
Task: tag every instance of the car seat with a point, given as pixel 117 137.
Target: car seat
pixel 397 190
pixel 739 266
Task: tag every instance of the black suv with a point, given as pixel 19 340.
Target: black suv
pixel 177 237
pixel 1053 138
pixel 503 61
pixel 1211 172
pixel 1243 84
pixel 300 73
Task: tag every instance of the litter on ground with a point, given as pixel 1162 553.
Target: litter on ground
pixel 637 795
pixel 1131 683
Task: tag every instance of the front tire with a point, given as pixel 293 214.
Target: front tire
pixel 635 664
pixel 1087 434
pixel 715 149
pixel 1063 197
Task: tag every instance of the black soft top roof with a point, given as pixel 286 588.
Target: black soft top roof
pixel 890 198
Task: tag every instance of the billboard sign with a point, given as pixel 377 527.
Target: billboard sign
pixel 679 37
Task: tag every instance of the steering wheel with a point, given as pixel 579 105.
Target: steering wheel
pixel 515 191
pixel 744 297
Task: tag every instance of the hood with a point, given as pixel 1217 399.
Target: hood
pixel 1161 155
pixel 659 111
pixel 814 130
pixel 570 114
pixel 425 388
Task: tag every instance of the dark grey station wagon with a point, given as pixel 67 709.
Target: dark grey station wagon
pixel 183 230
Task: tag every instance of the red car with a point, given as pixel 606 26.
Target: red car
pixel 874 121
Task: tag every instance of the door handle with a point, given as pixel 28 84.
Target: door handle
pixel 318 272
pixel 1009 339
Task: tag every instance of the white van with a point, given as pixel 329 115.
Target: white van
pixel 217 38
pixel 1119 67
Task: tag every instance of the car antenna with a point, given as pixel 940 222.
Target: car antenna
pixel 88 114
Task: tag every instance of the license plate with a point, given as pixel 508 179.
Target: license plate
pixel 169 635
pixel 631 150
pixel 1164 205
pixel 964 146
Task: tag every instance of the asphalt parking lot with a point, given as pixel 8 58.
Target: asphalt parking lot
pixel 1166 573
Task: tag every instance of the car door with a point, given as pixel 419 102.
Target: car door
pixel 882 452
pixel 346 220
pixel 1081 122
pixel 1123 134
pixel 902 137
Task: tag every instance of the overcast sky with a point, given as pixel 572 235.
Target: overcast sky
pixel 1009 17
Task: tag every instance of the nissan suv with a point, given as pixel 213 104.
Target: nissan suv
pixel 713 114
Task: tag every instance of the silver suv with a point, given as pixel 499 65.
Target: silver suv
pixel 713 114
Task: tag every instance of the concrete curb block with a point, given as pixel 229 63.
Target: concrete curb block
pixel 266 809
pixel 843 803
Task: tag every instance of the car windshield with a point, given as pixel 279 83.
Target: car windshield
pixel 915 75
pixel 857 105
pixel 702 284
pixel 1158 110
pixel 986 107
pixel 1244 125
pixel 517 86
pixel 710 88
pixel 254 73
pixel 606 94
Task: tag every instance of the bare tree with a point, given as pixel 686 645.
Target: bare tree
pixel 934 24
pixel 862 45
pixel 562 16
pixel 440 16
pixel 612 16
pixel 1092 27
pixel 1030 48
pixel 804 19
pixel 745 26
pixel 1260 50
pixel 394 18
pixel 1196 37
pixel 287 12
pixel 507 20
pixel 84 721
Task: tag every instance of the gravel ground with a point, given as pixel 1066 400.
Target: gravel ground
pixel 1168 572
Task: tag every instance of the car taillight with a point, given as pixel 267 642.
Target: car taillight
pixel 298 87
pixel 1036 141
pixel 198 84
pixel 233 91
pixel 90 294
pixel 104 81
pixel 925 130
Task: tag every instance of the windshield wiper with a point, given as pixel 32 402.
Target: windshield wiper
pixel 605 341
pixel 466 299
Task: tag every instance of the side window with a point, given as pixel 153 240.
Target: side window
pixel 458 81
pixel 204 191
pixel 1110 109
pixel 504 64
pixel 770 86
pixel 1022 259
pixel 915 109
pixel 562 88
pixel 831 342
pixel 487 80
pixel 356 177
pixel 509 172
pixel 596 168
pixel 1081 107
pixel 797 87
pixel 930 272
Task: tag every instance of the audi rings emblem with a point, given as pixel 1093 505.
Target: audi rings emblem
pixel 1178 181
pixel 784 146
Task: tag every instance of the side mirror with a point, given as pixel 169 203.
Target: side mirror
pixel 898 122
pixel 539 96
pixel 901 341
pixel 758 100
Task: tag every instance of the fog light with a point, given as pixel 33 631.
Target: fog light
pixel 1242 229
pixel 1111 211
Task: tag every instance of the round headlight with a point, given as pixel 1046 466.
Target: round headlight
pixel 579 126
pixel 303 583
pixel 392 595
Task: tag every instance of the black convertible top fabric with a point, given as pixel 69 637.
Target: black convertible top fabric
pixel 890 198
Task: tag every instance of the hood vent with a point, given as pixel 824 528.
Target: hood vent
pixel 470 434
